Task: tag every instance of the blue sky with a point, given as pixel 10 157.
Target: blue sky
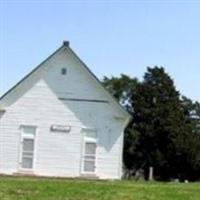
pixel 111 37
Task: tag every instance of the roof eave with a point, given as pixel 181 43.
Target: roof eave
pixel 29 74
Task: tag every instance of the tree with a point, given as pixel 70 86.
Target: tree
pixel 166 137
pixel 192 113
pixel 122 89
pixel 162 133
pixel 192 110
pixel 156 107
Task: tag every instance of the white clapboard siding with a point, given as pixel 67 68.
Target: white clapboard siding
pixel 36 102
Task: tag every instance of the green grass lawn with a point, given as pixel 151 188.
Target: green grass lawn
pixel 17 188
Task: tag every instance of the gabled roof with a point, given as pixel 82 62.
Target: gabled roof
pixel 66 45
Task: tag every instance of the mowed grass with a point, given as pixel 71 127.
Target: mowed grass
pixel 18 188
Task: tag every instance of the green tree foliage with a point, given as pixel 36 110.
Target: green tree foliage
pixel 122 89
pixel 192 111
pixel 163 133
pixel 166 137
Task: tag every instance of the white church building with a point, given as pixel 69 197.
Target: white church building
pixel 59 121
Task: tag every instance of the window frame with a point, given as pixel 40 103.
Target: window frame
pixel 27 136
pixel 90 141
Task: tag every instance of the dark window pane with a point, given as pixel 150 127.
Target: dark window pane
pixel 89 166
pixel 90 148
pixel 27 163
pixel 63 71
pixel 28 145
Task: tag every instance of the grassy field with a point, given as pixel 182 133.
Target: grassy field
pixel 66 189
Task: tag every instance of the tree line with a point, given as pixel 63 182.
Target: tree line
pixel 165 129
